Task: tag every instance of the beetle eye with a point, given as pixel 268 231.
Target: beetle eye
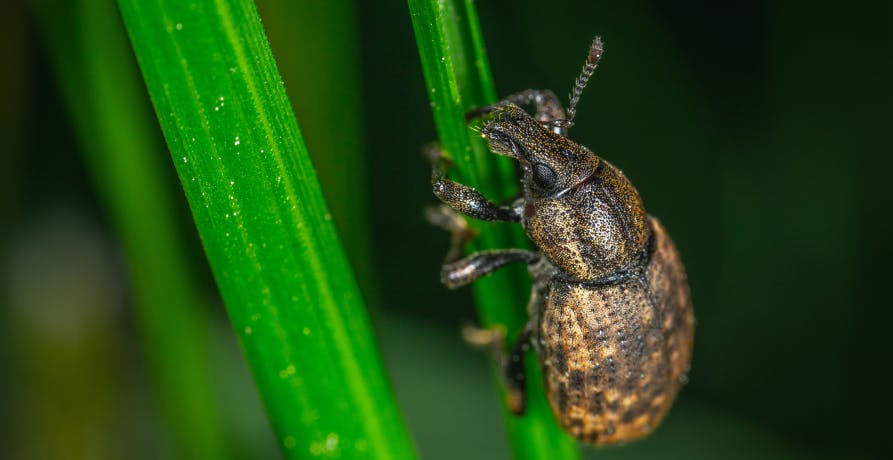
pixel 543 176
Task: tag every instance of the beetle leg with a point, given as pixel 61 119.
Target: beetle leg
pixel 461 197
pixel 460 232
pixel 511 365
pixel 458 271
pixel 515 373
pixel 534 310
pixel 490 340
pixel 468 269
pixel 548 107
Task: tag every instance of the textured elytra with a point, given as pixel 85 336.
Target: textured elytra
pixel 614 356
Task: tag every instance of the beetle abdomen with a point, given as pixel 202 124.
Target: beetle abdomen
pixel 614 356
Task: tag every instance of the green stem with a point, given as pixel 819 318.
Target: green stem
pixel 268 235
pixel 458 78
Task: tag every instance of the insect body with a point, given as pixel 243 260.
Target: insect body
pixel 610 312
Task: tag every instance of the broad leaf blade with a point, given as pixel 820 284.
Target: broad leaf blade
pixel 268 235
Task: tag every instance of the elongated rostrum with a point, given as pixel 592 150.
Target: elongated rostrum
pixel 610 314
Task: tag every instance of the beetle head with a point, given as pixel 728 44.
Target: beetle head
pixel 551 164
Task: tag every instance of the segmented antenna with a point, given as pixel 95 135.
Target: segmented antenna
pixel 595 53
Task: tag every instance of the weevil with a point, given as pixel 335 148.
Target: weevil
pixel 610 313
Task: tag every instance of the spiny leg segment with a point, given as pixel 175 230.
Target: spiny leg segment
pixel 460 271
pixel 461 197
pixel 510 361
pixel 548 107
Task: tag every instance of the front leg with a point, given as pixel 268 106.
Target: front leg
pixel 461 197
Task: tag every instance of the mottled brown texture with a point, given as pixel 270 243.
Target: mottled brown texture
pixel 614 356
pixel 592 231
pixel 610 311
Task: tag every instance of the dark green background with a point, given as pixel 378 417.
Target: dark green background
pixel 758 133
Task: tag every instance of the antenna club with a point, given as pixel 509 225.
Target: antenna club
pixel 596 50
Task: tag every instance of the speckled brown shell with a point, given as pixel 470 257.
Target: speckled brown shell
pixel 614 356
pixel 595 230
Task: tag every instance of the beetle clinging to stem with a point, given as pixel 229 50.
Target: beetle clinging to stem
pixel 610 314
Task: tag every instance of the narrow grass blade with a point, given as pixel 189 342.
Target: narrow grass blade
pixel 268 235
pixel 458 78
pixel 323 36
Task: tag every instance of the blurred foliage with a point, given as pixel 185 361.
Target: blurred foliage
pixel 756 132
pixel 123 153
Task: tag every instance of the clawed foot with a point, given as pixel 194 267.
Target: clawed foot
pixel 490 340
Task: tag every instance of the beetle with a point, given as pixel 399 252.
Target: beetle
pixel 610 313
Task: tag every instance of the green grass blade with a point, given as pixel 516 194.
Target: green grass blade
pixel 107 103
pixel 323 36
pixel 269 238
pixel 458 78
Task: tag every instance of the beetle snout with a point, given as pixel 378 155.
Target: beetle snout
pixel 501 142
